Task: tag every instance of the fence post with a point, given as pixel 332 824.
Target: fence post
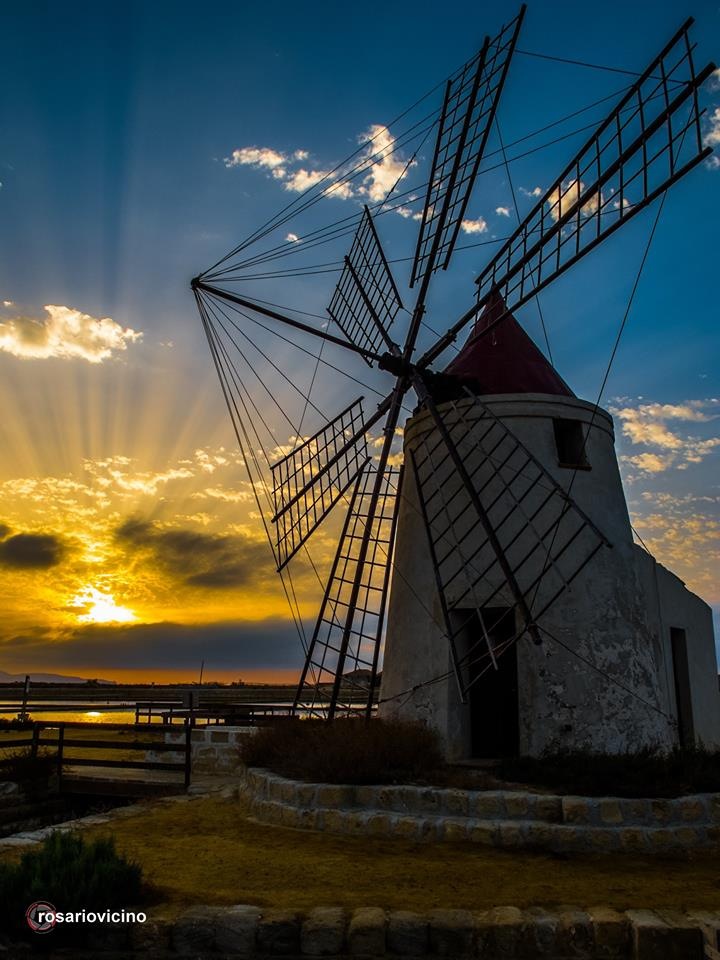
pixel 36 736
pixel 26 695
pixel 61 743
pixel 188 753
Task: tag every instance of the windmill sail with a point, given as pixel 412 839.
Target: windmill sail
pixel 309 480
pixel 342 659
pixel 471 99
pixel 544 536
pixel 366 299
pixel 650 140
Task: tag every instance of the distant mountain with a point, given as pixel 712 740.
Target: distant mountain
pixel 49 678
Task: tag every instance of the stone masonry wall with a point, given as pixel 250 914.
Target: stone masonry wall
pixel 495 818
pixel 215 747
pixel 371 932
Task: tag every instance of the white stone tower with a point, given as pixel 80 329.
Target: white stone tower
pixel 631 661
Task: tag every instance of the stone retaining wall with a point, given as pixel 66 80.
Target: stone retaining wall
pixel 215 748
pixel 497 818
pixel 373 934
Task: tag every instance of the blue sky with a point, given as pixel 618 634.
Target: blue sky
pixel 116 122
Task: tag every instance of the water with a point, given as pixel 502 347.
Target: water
pixel 108 711
pixel 68 710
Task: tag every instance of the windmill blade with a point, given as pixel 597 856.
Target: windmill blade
pixel 366 299
pixel 342 661
pixel 471 99
pixel 649 141
pixel 308 481
pixel 545 539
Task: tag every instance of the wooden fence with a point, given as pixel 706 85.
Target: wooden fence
pixel 64 746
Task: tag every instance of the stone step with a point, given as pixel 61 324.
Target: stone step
pixel 565 931
pixel 512 834
pixel 500 805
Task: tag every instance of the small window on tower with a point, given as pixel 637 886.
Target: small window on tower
pixel 570 444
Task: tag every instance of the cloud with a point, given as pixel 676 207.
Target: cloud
pixel 712 135
pixel 26 551
pixel 225 645
pixel 531 191
pixel 8 303
pixel 647 424
pixel 65 333
pixel 474 226
pixel 650 462
pixel 263 158
pixel 292 238
pixel 375 169
pixel 384 165
pixel 565 196
pixel 199 559
pixel 4 530
pixel 684 533
pixel 502 211
pixel 302 179
pixel 228 496
pixel 407 213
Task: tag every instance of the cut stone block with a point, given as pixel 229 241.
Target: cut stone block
pixel 323 932
pixel 366 932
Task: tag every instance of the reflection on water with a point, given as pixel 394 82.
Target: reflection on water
pixel 71 714
pixel 108 712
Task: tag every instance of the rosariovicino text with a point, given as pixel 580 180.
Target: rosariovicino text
pixel 91 916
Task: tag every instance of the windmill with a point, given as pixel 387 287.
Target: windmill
pixel 648 141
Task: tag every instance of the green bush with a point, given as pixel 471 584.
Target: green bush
pixel 72 875
pixel 644 773
pixel 346 751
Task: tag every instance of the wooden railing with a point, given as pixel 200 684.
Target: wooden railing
pixel 64 747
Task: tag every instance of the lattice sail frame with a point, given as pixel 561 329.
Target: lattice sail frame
pixel 366 299
pixel 343 655
pixel 546 538
pixel 471 99
pixel 308 481
pixel 650 140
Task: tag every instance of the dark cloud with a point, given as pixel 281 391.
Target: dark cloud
pixel 236 645
pixel 31 550
pixel 199 559
pixel 4 530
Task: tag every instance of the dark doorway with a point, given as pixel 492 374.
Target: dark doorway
pixel 493 696
pixel 683 698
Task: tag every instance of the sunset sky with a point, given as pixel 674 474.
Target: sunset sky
pixel 139 143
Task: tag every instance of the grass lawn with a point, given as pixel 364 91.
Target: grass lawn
pixel 205 851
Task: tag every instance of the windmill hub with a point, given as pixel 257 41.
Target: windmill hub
pixel 397 365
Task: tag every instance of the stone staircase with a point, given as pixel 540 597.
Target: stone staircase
pixel 500 818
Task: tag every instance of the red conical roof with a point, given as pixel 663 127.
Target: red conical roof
pixel 505 360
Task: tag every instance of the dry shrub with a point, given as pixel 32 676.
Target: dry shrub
pixel 642 773
pixel 346 751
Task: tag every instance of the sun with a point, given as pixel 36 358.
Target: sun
pixel 101 608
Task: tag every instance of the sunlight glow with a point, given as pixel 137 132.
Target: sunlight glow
pixel 101 608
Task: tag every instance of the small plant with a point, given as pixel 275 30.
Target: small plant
pixel 21 722
pixel 72 875
pixel 346 751
pixel 643 773
pixel 21 766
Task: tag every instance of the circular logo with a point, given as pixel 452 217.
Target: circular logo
pixel 40 916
